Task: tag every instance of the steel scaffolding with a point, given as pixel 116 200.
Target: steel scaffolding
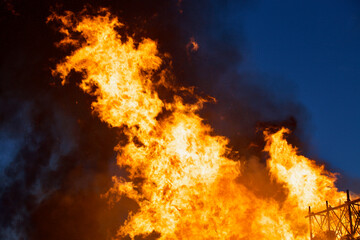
pixel 335 223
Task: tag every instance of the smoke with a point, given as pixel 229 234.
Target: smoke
pixel 57 158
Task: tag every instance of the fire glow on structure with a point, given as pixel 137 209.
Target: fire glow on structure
pixel 340 222
pixel 178 170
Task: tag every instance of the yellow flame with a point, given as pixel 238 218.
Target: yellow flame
pixel 308 183
pixel 179 175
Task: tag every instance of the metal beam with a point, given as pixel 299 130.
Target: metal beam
pixel 336 222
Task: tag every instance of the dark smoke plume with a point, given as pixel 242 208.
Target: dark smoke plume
pixel 57 158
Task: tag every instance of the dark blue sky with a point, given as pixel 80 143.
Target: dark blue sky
pixel 315 45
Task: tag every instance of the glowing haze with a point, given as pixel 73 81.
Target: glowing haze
pixel 179 172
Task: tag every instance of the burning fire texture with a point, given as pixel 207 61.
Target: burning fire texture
pixel 179 172
pixel 184 180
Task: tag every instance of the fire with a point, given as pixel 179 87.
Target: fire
pixel 308 183
pixel 178 170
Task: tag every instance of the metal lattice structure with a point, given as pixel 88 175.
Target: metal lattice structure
pixel 335 223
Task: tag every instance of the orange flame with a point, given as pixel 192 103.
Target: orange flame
pixel 308 183
pixel 179 175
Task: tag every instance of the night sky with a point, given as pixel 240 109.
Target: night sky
pixel 268 64
pixel 314 45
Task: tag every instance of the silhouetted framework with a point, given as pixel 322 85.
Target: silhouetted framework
pixel 333 223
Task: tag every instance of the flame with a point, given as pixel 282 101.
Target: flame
pixel 308 183
pixel 178 170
